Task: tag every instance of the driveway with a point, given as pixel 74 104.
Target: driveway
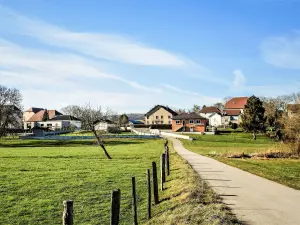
pixel 253 199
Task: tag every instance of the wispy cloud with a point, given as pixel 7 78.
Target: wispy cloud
pixel 36 66
pixel 239 79
pixel 100 45
pixel 282 51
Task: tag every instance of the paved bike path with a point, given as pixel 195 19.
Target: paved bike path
pixel 253 199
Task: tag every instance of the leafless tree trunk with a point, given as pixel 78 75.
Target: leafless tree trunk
pixel 101 144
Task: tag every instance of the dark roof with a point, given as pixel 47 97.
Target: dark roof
pixel 209 110
pixel 136 122
pixel 34 109
pixel 65 117
pixel 234 112
pixel 157 107
pixel 187 116
pixel 293 107
pixel 236 103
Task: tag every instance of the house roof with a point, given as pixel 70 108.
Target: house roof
pixel 40 115
pixel 234 112
pixel 104 121
pixel 209 110
pixel 65 117
pixel 157 107
pixel 53 113
pixel 187 116
pixel 34 109
pixel 236 103
pixel 293 107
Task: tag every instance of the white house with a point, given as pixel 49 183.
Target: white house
pixel 215 119
pixel 104 125
pixel 206 112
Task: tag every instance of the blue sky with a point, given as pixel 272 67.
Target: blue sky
pixel 131 55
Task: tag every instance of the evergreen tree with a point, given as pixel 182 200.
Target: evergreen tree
pixel 253 119
pixel 123 120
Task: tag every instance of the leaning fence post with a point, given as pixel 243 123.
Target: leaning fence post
pixel 149 193
pixel 115 207
pixel 134 207
pixel 155 183
pixel 68 212
pixel 162 170
pixel 167 160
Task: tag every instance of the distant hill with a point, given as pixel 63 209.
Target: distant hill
pixel 135 116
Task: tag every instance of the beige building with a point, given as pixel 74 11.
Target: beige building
pixel 160 115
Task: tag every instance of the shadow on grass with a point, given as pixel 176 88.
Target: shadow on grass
pixel 62 143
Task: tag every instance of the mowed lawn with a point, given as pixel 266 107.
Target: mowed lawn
pixel 36 176
pixel 284 171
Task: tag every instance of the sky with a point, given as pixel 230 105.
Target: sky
pixel 131 55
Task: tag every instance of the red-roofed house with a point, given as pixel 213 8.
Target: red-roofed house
pixel 34 116
pixel 233 109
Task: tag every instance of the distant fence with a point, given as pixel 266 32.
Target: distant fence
pixel 67 138
pixel 168 134
pixel 152 193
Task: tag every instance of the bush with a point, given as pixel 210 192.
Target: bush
pixel 114 130
pixel 234 126
pixel 154 126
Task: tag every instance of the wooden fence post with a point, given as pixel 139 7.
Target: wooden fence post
pixel 134 207
pixel 149 193
pixel 162 170
pixel 68 212
pixel 155 183
pixel 167 160
pixel 115 207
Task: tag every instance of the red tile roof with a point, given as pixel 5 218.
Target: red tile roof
pixel 232 112
pixel 209 110
pixel 236 103
pixel 40 115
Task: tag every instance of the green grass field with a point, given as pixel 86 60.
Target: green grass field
pixel 36 176
pixel 284 171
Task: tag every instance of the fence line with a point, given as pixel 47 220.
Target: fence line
pixel 116 194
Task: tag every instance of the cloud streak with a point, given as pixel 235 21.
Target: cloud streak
pixel 99 45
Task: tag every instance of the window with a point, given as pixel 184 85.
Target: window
pixel 42 125
pixel 147 122
pixel 152 122
pixel 148 117
pixel 156 117
pixel 178 122
pixel 191 121
pixel 49 125
pixel 198 121
pixel 161 117
pixel 169 121
pixel 169 117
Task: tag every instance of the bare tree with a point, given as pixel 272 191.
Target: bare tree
pixel 226 99
pixel 10 109
pixel 196 109
pixel 219 105
pixel 89 116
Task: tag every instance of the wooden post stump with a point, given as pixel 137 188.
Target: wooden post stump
pixel 162 170
pixel 149 193
pixel 68 212
pixel 115 207
pixel 134 207
pixel 155 183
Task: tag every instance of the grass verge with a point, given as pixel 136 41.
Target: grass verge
pixel 284 171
